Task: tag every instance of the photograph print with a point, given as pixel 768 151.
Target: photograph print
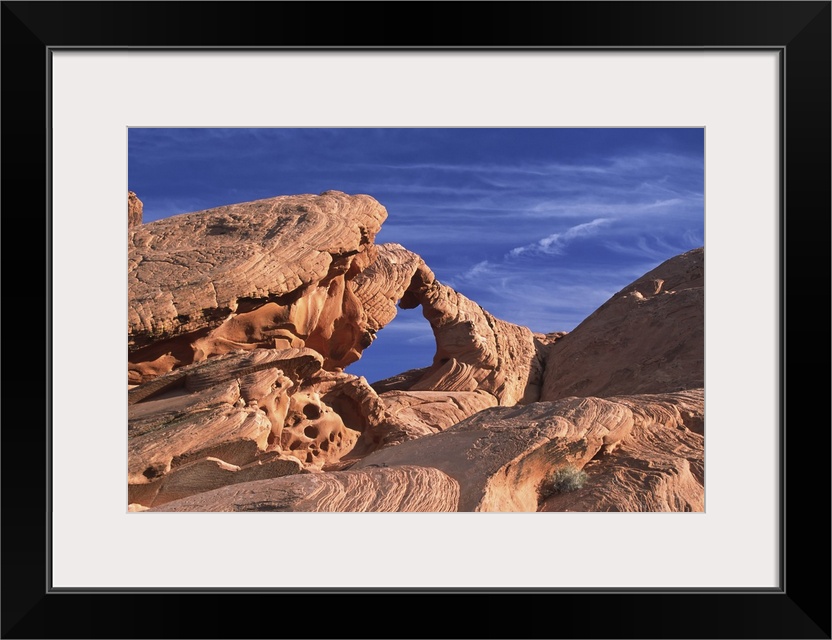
pixel 416 320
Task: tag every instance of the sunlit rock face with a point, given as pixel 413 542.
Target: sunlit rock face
pixel 134 210
pixel 641 453
pixel 395 489
pixel 647 338
pixel 247 291
pixel 264 274
pixel 474 350
pixel 241 322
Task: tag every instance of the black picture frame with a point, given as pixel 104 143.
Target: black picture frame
pixel 799 608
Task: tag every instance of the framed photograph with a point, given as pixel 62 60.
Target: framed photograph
pixel 753 77
pixel 470 265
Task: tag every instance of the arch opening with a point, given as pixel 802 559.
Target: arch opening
pixel 407 342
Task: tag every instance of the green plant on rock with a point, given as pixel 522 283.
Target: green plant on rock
pixel 563 480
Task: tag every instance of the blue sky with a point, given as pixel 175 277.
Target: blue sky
pixel 539 226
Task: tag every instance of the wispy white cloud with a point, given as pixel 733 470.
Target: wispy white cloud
pixel 540 208
pixel 556 242
pixel 457 233
pixel 543 169
pixel 545 298
pixel 652 247
pixel 156 209
pixel 694 238
pixel 594 207
pixel 481 271
pixel 421 189
pixel 617 165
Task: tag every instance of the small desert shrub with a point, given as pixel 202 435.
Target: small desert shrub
pixel 565 479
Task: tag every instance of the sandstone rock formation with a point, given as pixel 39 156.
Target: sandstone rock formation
pixel 658 467
pixel 134 210
pixel 402 488
pixel 412 414
pixel 500 456
pixel 648 338
pixel 233 407
pixel 474 350
pixel 264 274
pixel 242 320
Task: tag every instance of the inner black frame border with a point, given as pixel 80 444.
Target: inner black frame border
pixel 798 31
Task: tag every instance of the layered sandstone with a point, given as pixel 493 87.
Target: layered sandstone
pixel 401 489
pixel 660 466
pixel 264 274
pixel 647 338
pixel 474 350
pixel 134 210
pixel 278 296
pixel 500 456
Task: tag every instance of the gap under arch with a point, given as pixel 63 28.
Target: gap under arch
pixel 407 342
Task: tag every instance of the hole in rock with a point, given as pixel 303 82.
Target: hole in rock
pixel 312 412
pixel 406 343
pixel 311 431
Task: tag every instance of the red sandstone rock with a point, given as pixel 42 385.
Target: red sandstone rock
pixel 235 408
pixel 264 274
pixel 413 414
pixel 134 210
pixel 647 447
pixel 648 338
pixel 403 488
pixel 658 467
pixel 474 350
pixel 207 474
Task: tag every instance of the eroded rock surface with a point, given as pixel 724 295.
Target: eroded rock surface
pixel 413 414
pixel 658 467
pixel 265 274
pixel 474 350
pixel 501 456
pixel 209 473
pixel 648 338
pixel 248 402
pixel 134 210
pixel 402 488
